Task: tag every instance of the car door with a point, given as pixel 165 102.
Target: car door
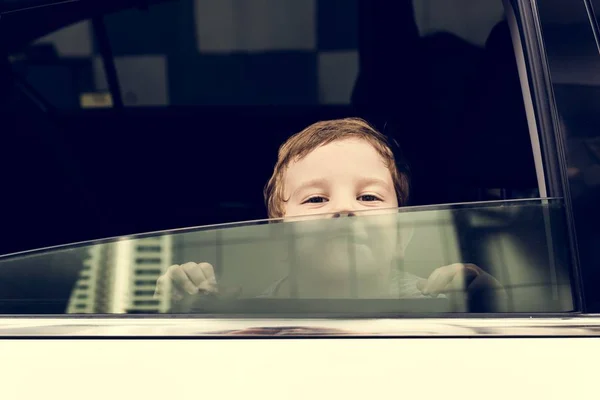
pixel 543 344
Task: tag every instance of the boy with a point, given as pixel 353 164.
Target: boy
pixel 332 169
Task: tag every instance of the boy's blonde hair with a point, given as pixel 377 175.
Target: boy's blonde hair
pixel 319 134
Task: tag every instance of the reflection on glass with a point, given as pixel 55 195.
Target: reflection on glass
pixel 498 256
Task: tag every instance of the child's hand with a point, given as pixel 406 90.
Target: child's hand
pixel 457 278
pixel 190 278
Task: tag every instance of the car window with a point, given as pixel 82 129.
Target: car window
pixel 225 83
pixel 171 116
pixel 310 266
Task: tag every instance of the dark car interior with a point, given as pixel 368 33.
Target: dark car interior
pixel 78 174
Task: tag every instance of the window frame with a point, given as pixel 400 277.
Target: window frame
pixel 548 144
pixel 548 141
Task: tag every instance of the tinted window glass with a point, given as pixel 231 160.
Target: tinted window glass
pixel 369 264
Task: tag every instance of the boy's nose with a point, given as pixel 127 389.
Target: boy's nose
pixel 342 205
pixel 343 214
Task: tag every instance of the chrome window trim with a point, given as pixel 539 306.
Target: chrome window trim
pixel 534 134
pixel 525 25
pixel 188 327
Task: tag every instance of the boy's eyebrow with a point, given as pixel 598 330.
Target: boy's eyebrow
pixel 321 182
pixel 317 182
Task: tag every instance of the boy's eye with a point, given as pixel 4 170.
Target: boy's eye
pixel 316 199
pixel 368 197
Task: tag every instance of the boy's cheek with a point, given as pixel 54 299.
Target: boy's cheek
pixel 296 213
pixel 389 210
pixel 293 213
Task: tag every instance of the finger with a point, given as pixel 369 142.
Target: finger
pixel 421 284
pixel 161 285
pixel 461 277
pixel 472 272
pixel 181 280
pixel 429 282
pixel 424 285
pixel 210 282
pixel 484 281
pixel 456 293
pixel 439 280
pixel 202 276
pixel 458 284
pixel 194 273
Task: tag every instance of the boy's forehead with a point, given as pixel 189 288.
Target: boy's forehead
pixel 347 155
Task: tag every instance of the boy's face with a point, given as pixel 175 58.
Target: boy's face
pixel 346 177
pixel 340 177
